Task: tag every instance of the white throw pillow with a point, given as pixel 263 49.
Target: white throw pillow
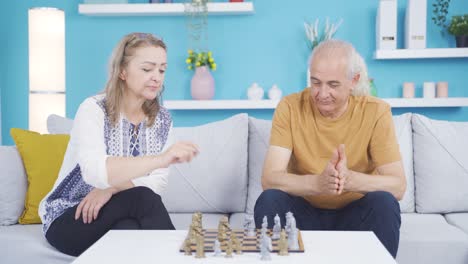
pixel 13 185
pixel 216 180
pixel 440 165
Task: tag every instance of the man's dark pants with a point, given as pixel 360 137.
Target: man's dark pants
pixel 376 211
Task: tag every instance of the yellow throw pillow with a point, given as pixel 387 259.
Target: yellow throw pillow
pixel 42 157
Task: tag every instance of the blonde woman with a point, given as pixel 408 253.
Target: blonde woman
pixel 116 163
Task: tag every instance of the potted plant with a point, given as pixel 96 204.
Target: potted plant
pixel 459 28
pixel 202 86
pixel 315 35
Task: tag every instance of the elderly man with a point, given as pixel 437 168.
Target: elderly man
pixel 333 159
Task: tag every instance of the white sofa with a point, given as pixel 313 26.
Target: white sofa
pixel 225 179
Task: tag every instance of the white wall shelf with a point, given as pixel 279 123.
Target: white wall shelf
pixel 428 102
pixel 271 104
pixel 219 104
pixel 162 9
pixel 421 53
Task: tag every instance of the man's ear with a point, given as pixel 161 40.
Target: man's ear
pixel 123 75
pixel 355 80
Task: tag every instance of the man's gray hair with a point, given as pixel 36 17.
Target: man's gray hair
pixel 356 64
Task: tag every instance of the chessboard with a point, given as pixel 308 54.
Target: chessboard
pixel 249 244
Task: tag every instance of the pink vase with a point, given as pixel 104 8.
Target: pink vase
pixel 202 84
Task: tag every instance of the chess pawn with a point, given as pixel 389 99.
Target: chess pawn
pixel 238 248
pixel 264 226
pixel 217 248
pixel 283 244
pixel 276 227
pixel 236 243
pixel 251 232
pixel 222 229
pixel 200 253
pixel 265 247
pixel 229 249
pixel 249 225
pixel 187 247
pixel 274 93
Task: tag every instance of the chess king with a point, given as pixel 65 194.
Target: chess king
pixel 333 154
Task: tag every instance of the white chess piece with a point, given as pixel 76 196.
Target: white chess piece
pixel 249 225
pixel 264 227
pixel 274 93
pixel 217 248
pixel 288 223
pixel 276 227
pixel 265 247
pixel 255 92
pixel 292 237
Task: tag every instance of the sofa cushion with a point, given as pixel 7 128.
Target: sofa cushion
pixel 259 140
pixel 405 141
pixel 429 239
pixel 216 180
pixel 459 220
pixel 182 221
pixel 440 165
pixel 59 125
pixel 26 244
pixel 42 156
pixel 13 185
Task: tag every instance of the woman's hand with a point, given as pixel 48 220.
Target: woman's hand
pixel 93 202
pixel 180 152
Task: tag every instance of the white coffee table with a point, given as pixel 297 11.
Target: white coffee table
pixel 121 246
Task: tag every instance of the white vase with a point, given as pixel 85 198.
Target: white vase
pixel 255 92
pixel 275 93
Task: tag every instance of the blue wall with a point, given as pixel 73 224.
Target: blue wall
pixel 3 49
pixel 267 47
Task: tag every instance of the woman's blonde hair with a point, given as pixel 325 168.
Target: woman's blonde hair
pixel 115 86
pixel 356 64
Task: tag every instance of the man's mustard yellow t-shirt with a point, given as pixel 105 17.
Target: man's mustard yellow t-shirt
pixel 366 129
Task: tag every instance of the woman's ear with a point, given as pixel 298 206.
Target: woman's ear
pixel 123 75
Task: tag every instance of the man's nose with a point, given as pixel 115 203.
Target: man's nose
pixel 323 91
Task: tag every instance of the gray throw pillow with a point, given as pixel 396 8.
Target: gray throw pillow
pixel 440 165
pixel 216 180
pixel 13 185
pixel 259 141
pixel 59 125
pixel 405 140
